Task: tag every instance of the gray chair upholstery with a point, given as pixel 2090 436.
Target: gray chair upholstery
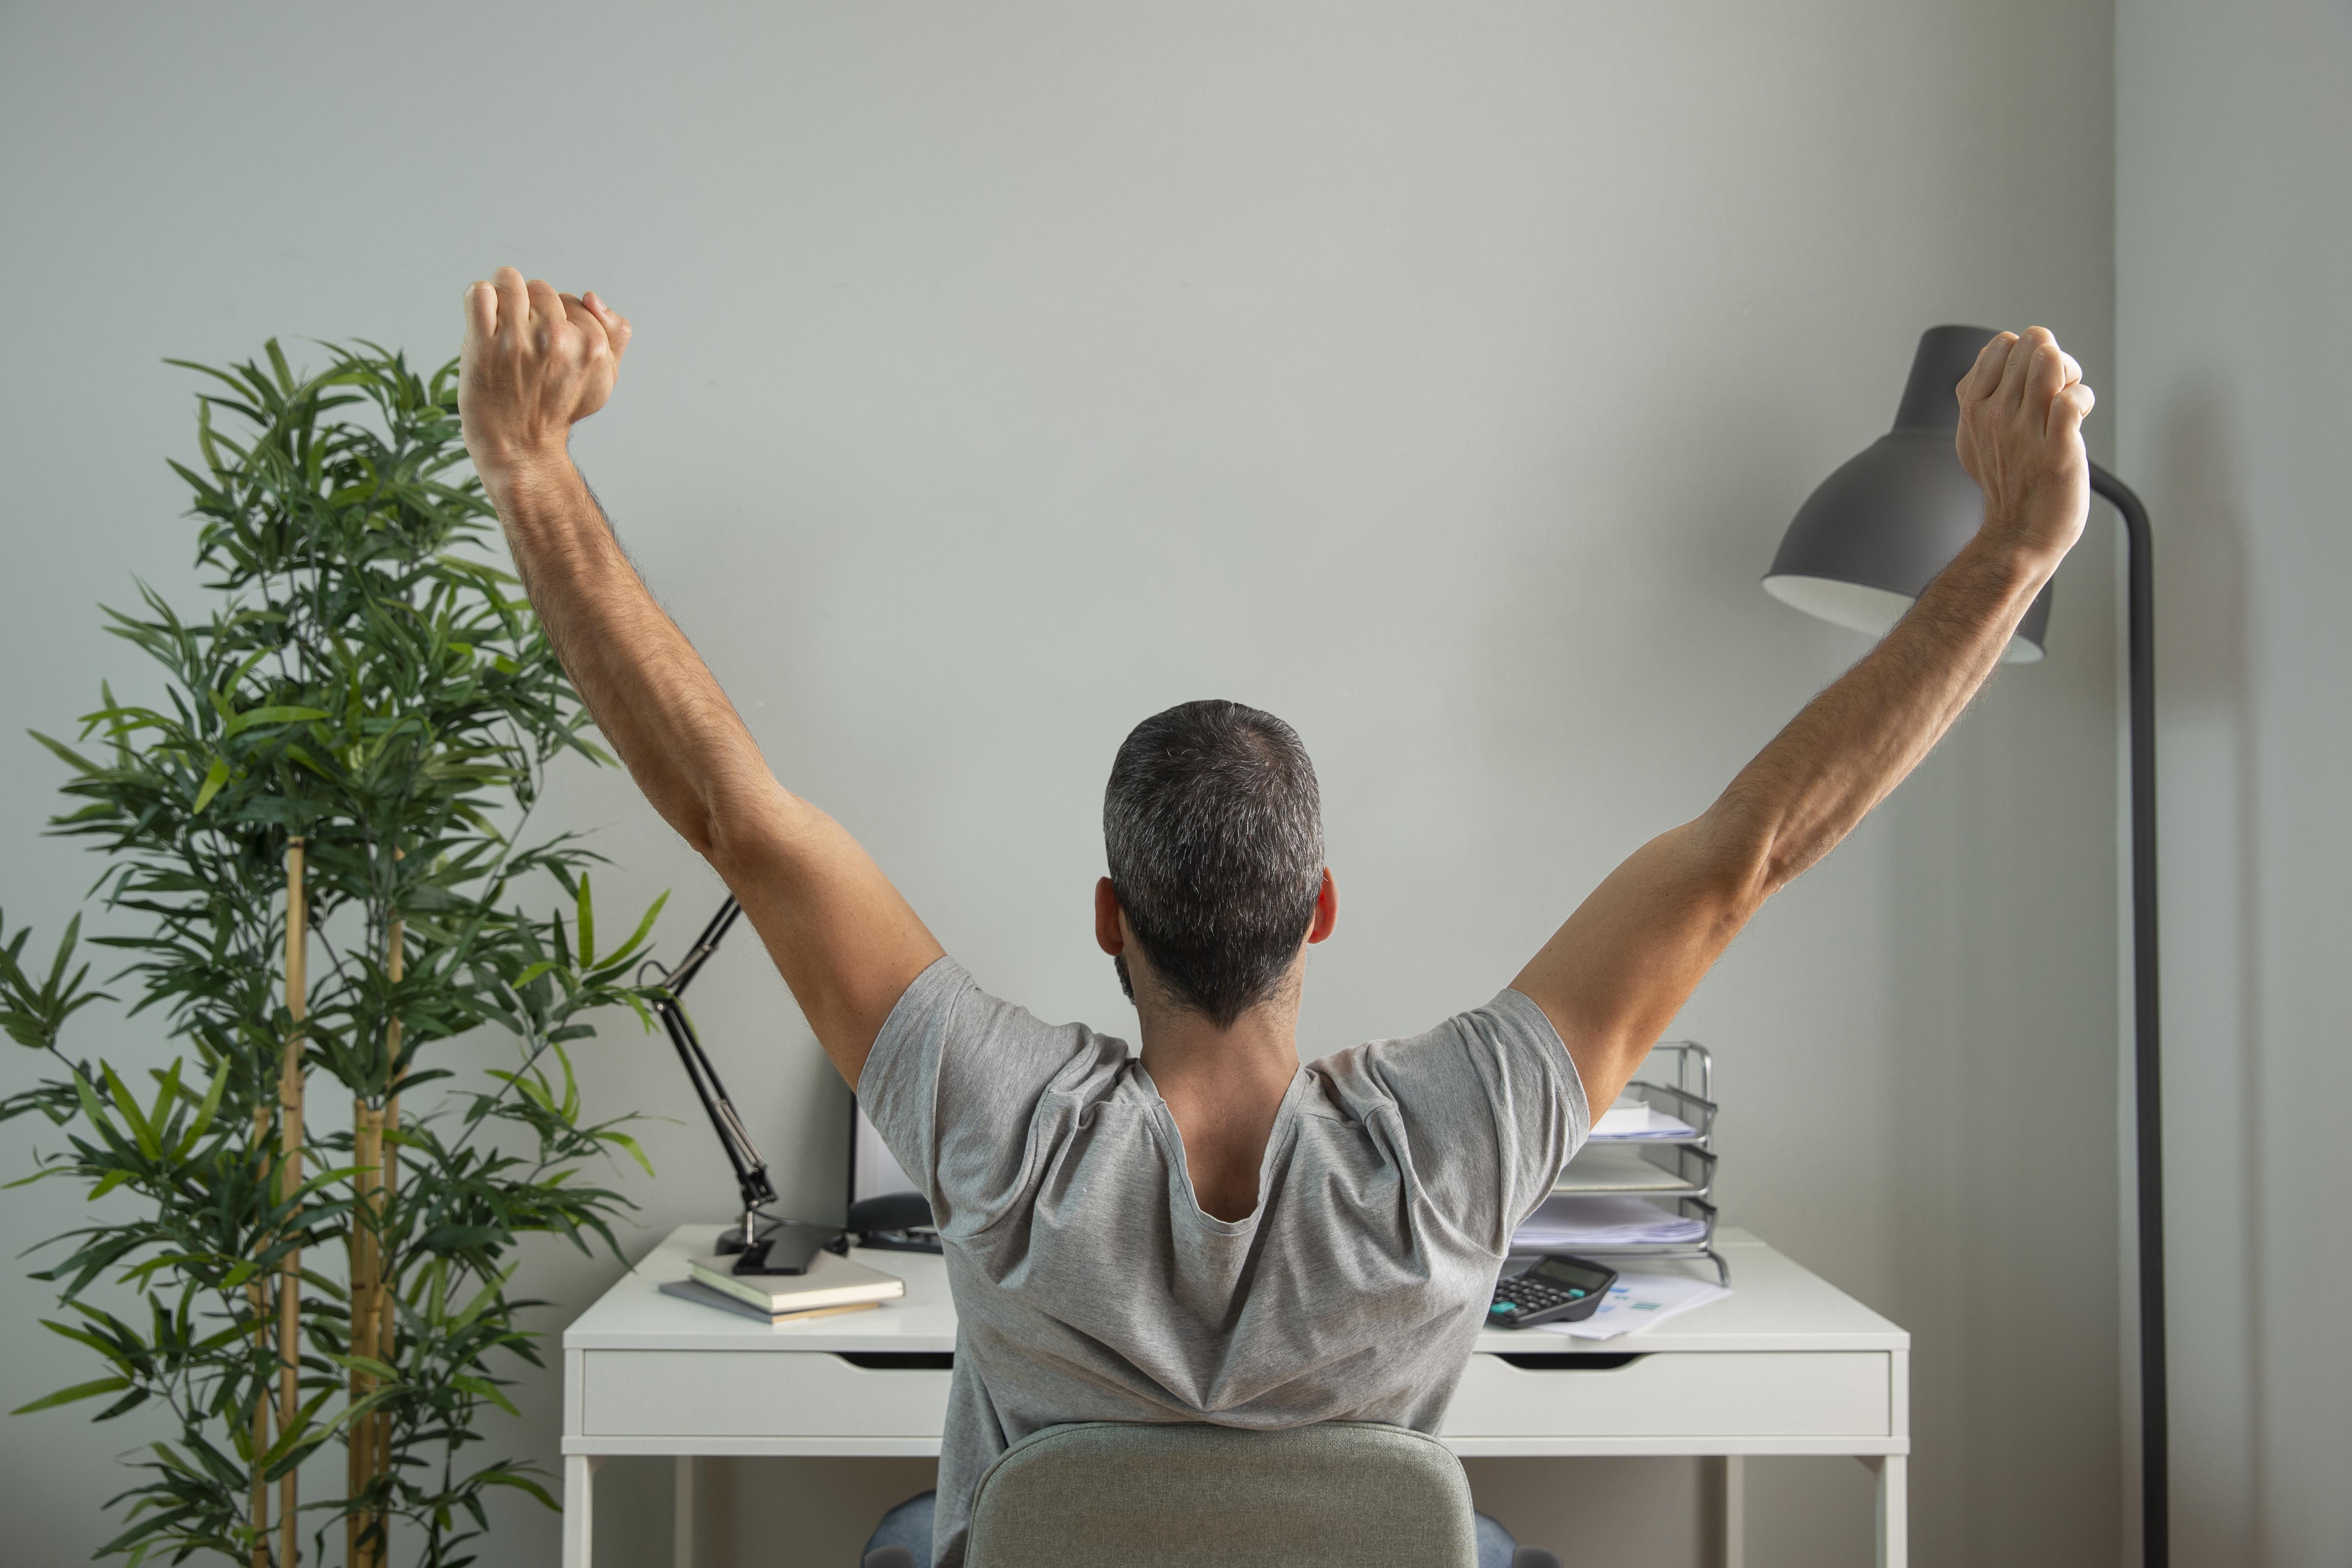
pixel 1342 1494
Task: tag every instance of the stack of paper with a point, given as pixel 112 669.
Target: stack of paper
pixel 1638 1301
pixel 1567 1222
pixel 1599 1170
pixel 1630 1120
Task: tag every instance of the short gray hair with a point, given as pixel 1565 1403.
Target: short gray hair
pixel 1213 828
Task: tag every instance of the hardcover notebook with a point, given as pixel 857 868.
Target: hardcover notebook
pixel 702 1295
pixel 831 1281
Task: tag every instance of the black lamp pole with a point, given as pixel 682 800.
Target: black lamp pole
pixel 1862 547
pixel 752 1183
pixel 2156 1514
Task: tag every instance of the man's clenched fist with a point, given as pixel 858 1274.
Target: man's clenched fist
pixel 2021 438
pixel 533 361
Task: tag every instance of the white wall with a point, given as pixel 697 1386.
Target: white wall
pixel 1439 377
pixel 2233 223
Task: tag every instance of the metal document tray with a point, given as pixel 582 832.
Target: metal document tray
pixel 1649 1169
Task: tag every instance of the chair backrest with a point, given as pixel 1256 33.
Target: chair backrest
pixel 1343 1494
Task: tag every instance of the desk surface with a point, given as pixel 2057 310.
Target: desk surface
pixel 1775 1305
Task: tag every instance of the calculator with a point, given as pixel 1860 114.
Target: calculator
pixel 1557 1289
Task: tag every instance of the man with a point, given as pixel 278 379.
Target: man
pixel 1206 1231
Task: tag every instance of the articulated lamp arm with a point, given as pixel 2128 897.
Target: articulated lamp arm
pixel 750 1169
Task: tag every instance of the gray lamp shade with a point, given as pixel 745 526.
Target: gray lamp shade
pixel 1873 536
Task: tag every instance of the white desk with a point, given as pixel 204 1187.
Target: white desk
pixel 1789 1364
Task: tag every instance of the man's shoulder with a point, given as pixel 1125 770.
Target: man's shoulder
pixel 1509 1015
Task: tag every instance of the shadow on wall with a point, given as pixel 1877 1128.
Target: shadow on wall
pixel 2210 783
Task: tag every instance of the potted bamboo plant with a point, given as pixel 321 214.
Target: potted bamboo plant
pixel 319 866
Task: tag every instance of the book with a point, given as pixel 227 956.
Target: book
pixel 831 1280
pixel 702 1295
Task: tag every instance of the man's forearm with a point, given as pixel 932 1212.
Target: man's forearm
pixel 1855 742
pixel 1623 965
pixel 654 699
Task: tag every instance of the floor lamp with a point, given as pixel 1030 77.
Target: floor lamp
pixel 1862 548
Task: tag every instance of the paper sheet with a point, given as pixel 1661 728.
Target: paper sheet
pixel 1639 1301
pixel 1631 1120
pixel 1570 1220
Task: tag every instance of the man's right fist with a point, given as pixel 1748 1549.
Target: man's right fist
pixel 533 361
pixel 2021 438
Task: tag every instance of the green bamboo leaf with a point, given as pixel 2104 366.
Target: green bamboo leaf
pixel 80 1335
pixel 226 1336
pixel 629 1143
pixel 520 1483
pixel 66 754
pixel 215 776
pixel 204 1114
pixel 368 1404
pixel 374 1369
pixel 484 1296
pixel 127 1103
pixel 645 929
pixel 246 721
pixel 89 1105
pixel 585 912
pixel 129 1402
pixel 167 1094
pixel 90 1390
pixel 486 1390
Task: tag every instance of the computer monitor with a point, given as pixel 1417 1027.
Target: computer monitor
pixel 874 1175
pixel 874 1171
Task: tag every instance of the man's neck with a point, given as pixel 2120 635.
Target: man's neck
pixel 1223 1088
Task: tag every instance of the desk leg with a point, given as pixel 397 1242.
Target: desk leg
pixel 1724 1487
pixel 681 1517
pixel 580 1508
pixel 1894 1508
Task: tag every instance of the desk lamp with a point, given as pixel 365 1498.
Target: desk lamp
pixel 782 1246
pixel 1862 548
pixel 769 1246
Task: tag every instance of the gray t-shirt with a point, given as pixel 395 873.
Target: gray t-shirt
pixel 1088 1284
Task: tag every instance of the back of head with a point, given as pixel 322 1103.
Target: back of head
pixel 1213 828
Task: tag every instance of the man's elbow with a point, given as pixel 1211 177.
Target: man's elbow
pixel 740 831
pixel 1743 862
pixel 701 830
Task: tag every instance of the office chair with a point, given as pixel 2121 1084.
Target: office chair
pixel 1342 1494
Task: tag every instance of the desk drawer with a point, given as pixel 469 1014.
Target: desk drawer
pixel 771 1394
pixel 1726 1393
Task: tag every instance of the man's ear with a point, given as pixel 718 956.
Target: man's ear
pixel 1327 908
pixel 1109 931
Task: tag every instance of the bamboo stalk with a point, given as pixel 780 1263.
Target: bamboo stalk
pixel 380 1441
pixel 290 1178
pixel 370 1438
pixel 367 1140
pixel 258 1303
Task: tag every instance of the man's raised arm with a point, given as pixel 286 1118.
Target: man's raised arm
pixel 1617 973
pixel 534 362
